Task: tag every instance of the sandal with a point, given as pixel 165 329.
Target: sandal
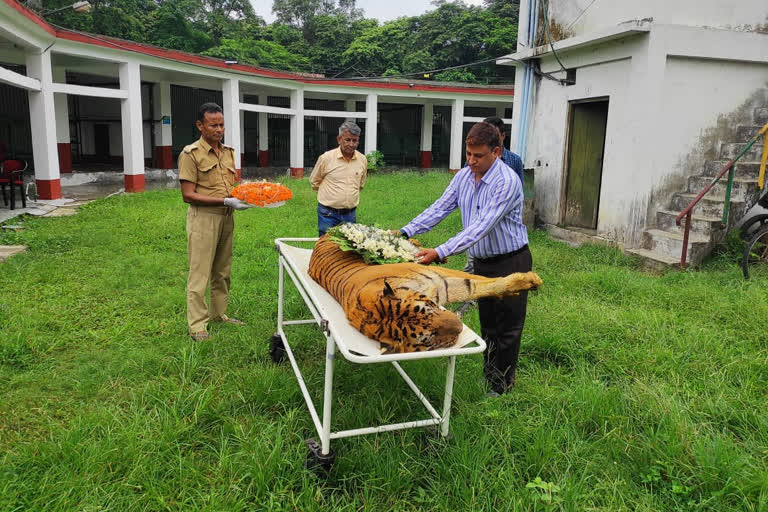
pixel 199 336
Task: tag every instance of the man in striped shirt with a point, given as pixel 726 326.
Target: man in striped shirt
pixel 512 160
pixel 489 196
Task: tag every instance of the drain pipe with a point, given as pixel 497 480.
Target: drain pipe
pixel 527 80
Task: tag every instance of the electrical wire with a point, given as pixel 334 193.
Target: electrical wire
pixel 552 46
pixel 418 73
pixel 579 16
pixel 544 9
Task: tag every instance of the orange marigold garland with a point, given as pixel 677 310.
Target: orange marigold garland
pixel 262 193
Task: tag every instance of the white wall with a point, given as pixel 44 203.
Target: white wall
pixel 546 150
pixel 596 78
pixel 734 14
pixel 696 93
pixel 663 115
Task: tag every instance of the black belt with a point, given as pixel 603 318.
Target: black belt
pixel 501 257
pixel 342 211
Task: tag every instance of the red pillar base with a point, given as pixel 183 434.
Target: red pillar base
pixel 164 157
pixel 48 189
pixel 297 172
pixel 263 158
pixel 134 182
pixel 65 157
pixel 239 174
pixel 425 159
pixel 453 171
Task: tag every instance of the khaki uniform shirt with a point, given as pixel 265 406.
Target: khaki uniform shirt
pixel 212 175
pixel 338 182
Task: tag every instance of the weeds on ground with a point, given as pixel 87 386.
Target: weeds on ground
pixel 634 391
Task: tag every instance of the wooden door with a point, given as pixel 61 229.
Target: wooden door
pixel 585 163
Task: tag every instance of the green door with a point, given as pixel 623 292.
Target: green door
pixel 585 163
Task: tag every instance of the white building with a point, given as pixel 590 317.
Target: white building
pixel 113 100
pixel 657 96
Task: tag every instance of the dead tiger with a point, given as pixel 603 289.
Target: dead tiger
pixel 399 304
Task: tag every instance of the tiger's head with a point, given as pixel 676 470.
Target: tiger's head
pixel 410 322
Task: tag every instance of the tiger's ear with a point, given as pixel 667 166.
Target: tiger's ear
pixel 388 291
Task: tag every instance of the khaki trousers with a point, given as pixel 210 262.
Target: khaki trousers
pixel 209 248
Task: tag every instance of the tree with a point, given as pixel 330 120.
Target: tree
pixel 223 17
pixel 263 53
pixel 299 12
pixel 325 36
pixel 171 26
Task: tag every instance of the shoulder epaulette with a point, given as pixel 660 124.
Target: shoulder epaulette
pixel 188 148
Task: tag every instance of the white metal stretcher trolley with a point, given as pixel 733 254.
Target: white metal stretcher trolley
pixel 354 346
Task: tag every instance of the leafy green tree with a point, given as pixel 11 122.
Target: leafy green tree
pixel 381 47
pixel 299 12
pixel 456 75
pixel 125 19
pixel 418 61
pixel 263 53
pixel 325 36
pixel 221 18
pixel 171 26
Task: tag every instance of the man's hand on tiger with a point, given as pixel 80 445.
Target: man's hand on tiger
pixel 427 256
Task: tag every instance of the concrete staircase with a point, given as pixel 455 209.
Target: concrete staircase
pixel 663 243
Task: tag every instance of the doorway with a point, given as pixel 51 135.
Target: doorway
pixel 101 142
pixel 586 146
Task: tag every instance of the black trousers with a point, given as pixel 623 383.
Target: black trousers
pixel 502 320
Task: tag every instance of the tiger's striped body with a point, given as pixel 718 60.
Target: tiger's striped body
pixel 399 304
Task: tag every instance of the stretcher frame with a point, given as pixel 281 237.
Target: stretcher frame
pixel 329 315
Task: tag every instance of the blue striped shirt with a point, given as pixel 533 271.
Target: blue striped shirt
pixel 514 162
pixel 491 213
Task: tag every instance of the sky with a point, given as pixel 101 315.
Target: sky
pixel 380 9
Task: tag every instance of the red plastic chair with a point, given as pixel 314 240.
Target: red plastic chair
pixel 10 175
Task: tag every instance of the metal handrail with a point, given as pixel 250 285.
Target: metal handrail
pixel 729 167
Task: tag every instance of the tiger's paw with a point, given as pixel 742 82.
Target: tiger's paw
pixel 522 281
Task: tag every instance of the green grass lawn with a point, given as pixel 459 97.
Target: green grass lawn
pixel 634 391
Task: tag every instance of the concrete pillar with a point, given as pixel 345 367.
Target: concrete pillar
pixel 350 105
pixel 371 122
pixel 41 110
pixel 297 134
pixel 425 156
pixel 63 142
pixel 163 128
pixel 263 133
pixel 132 127
pixel 230 92
pixel 457 126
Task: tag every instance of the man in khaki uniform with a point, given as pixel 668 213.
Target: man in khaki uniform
pixel 207 174
pixel 338 177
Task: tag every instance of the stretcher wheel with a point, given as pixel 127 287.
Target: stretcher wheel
pixel 316 461
pixel 276 348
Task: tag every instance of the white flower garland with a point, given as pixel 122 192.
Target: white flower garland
pixel 374 244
